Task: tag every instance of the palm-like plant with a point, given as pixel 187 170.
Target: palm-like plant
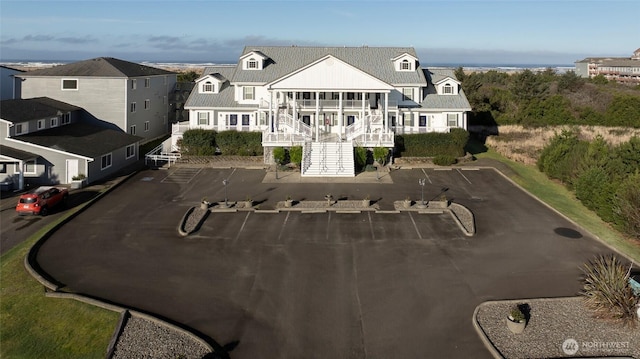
pixel 607 290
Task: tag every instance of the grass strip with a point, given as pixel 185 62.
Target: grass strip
pixel 563 200
pixel 34 326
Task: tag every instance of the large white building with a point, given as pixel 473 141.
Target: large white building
pixel 327 99
pixel 620 69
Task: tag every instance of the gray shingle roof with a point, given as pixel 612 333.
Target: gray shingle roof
pixel 81 139
pixel 99 67
pixel 443 102
pixel 21 110
pixel 224 98
pixel 375 61
pixel 17 154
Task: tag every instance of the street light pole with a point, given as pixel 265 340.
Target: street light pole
pixel 421 182
pixel 225 182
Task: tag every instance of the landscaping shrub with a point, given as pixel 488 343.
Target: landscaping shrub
pixel 240 143
pixel 295 155
pixel 381 154
pixel 198 142
pixel 595 190
pixel 607 290
pixel 627 205
pixel 279 155
pixel 360 154
pixel 433 144
pixel 444 160
pixel 561 158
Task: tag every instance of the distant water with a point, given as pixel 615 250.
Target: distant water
pixel 559 68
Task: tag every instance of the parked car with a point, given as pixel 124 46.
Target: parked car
pixel 41 200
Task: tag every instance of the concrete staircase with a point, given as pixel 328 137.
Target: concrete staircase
pixel 328 159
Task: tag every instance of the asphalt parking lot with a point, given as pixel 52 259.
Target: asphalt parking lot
pixel 326 285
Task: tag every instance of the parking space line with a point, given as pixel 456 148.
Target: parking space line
pixel 415 225
pixel 283 225
pixel 426 175
pixel 465 177
pixel 242 227
pixel 373 236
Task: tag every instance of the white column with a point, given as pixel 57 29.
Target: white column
pixel 340 114
pixel 317 118
pixel 21 176
pixel 270 119
pixel 386 109
pixel 363 125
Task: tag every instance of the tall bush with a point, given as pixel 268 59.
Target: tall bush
pixel 295 155
pixel 561 158
pixel 433 144
pixel 360 157
pixel 198 142
pixel 627 205
pixel 240 143
pixel 279 155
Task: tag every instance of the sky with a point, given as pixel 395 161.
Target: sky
pixel 472 32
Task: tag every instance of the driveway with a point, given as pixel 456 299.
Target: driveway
pixel 325 285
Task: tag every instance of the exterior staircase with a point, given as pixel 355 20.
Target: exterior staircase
pixel 328 159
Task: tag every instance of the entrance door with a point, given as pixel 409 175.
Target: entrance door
pixel 72 169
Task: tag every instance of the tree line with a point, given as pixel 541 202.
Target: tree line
pixel 547 98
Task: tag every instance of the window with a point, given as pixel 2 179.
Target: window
pixel 54 122
pixel 203 118
pixel 40 124
pixel 248 93
pixel 131 151
pixel 134 84
pixel 351 96
pixel 407 94
pixel 147 104
pixel 133 107
pixel 306 95
pixel 207 87
pixel 66 118
pixel 105 161
pixel 132 129
pixel 233 120
pixel 452 119
pixel 350 119
pixel 3 168
pixel 422 121
pixel 30 167
pixel 252 64
pixel 146 126
pixel 147 82
pixel 245 120
pixel 69 84
pixel 405 65
pixel 21 128
pixel 447 89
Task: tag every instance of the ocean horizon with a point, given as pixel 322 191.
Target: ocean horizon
pixel 187 64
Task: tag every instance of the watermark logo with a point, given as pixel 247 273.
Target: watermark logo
pixel 570 346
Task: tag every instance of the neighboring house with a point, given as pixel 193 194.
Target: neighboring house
pixel 9 86
pixel 620 69
pixel 134 97
pixel 45 141
pixel 327 99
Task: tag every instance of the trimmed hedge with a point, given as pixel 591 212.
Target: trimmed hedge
pixel 432 144
pixel 198 142
pixel 240 143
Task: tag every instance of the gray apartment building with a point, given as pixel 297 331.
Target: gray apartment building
pixel 133 97
pixel 45 141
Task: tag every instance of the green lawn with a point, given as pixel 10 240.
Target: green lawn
pixel 563 200
pixel 34 326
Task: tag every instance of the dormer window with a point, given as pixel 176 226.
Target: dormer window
pixel 405 65
pixel 254 60
pixel 207 87
pixel 447 89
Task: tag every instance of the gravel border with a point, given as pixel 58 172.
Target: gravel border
pixel 553 321
pixel 142 338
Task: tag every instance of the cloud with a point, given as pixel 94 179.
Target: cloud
pixel 38 38
pixel 76 40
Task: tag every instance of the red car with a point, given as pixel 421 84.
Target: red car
pixel 42 200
